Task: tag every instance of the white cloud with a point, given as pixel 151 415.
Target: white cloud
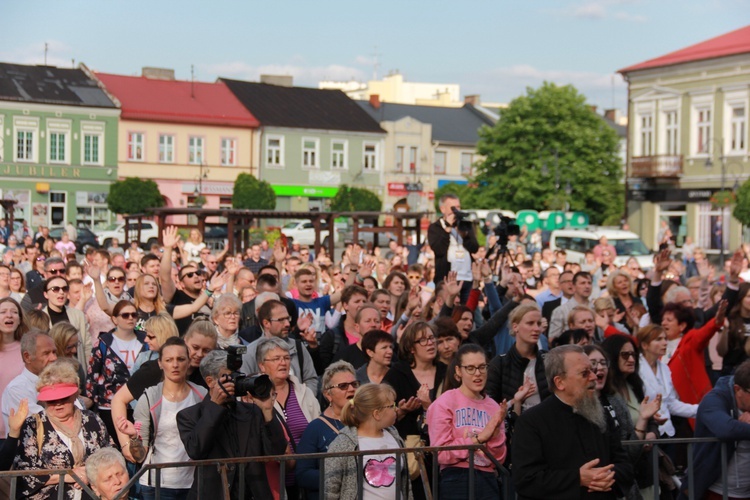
pixel 58 54
pixel 601 9
pixel 303 75
pixel 636 18
pixel 589 10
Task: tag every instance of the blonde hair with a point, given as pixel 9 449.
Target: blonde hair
pixel 367 399
pixel 611 282
pixel 603 303
pixel 62 371
pixel 61 333
pixel 138 299
pixel 162 326
pixel 37 319
pixel 579 309
pixel 519 312
pixel 202 327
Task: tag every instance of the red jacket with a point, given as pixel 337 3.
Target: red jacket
pixel 688 364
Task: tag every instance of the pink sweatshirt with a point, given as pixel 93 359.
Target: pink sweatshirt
pixel 453 419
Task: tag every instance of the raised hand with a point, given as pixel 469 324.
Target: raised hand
pixel 16 418
pixel 219 281
pixel 170 237
pixel 310 336
pixel 662 261
pixel 88 291
pixel 413 300
pixel 279 251
pixel 452 286
pixel 232 266
pixel 94 272
pixel 650 407
pixel 735 267
pixel 721 313
pixel 366 268
pixel 304 321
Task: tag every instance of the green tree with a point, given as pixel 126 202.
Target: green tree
pixel 354 199
pixel 741 210
pixel 543 142
pixel 134 196
pixel 250 193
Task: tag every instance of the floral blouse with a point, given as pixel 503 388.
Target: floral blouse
pixel 55 454
pixel 107 372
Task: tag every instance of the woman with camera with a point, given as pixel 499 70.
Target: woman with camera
pixel 158 440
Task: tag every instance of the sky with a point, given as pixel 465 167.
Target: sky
pixel 494 48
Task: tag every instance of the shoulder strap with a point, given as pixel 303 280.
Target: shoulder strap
pixel 287 430
pixel 39 432
pixel 301 358
pixel 329 424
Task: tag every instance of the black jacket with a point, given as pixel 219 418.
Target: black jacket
pixel 211 431
pixel 406 385
pixel 247 313
pixel 439 241
pixel 552 443
pixel 505 375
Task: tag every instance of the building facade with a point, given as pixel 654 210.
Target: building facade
pixel 312 141
pixel 426 148
pixel 688 141
pixel 191 138
pixel 58 146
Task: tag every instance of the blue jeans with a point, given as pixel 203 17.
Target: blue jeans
pixel 149 493
pixel 454 484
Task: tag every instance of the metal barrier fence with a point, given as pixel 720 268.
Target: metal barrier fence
pixel 223 465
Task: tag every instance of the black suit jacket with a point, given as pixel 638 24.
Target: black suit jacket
pixel 439 241
pixel 211 431
pixel 551 443
pixel 247 313
pixel 548 308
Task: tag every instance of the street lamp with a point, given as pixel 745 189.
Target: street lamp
pixel 199 184
pixel 709 165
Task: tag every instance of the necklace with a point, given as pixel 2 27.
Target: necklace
pixel 175 396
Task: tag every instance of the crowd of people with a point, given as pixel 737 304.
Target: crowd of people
pixel 127 358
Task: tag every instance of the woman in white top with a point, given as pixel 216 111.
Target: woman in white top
pixel 158 438
pixel 657 378
pixel 193 246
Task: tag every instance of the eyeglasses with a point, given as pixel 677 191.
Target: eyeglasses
pixel 132 315
pixel 58 289
pixel 602 363
pixel 116 279
pixel 149 336
pixel 56 271
pixel 277 359
pixel 191 274
pixel 626 355
pixel 471 369
pixel 231 314
pixel 41 259
pixel 392 406
pixel 345 385
pixel 426 340
pixel 285 319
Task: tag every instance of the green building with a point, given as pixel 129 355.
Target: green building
pixel 688 142
pixel 58 147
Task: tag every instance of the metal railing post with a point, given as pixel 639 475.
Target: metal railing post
pixel 471 472
pixel 655 469
pixel 282 480
pixel 724 472
pixel 691 472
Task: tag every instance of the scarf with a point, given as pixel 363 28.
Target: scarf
pixel 77 447
pixel 223 342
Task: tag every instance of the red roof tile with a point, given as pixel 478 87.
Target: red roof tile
pixel 734 42
pixel 171 101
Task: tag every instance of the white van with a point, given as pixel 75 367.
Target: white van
pixel 627 244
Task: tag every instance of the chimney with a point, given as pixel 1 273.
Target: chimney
pixel 375 101
pixel 592 107
pixel 157 73
pixel 474 99
pixel 611 114
pixel 280 80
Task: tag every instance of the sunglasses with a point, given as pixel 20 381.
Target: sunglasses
pixel 41 259
pixel 57 289
pixel 56 271
pixel 129 315
pixel 626 355
pixel 345 385
pixel 116 279
pixel 191 274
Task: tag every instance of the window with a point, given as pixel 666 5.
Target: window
pixel 229 152
pixel 92 143
pixel 413 155
pixel 135 146
pixel 441 158
pixel 275 151
pixel 370 156
pixel 2 153
pixel 195 150
pixel 166 148
pixel 310 153
pixel 466 160
pixel 704 131
pixel 400 150
pixel 712 224
pixel 57 147
pixel 26 133
pixel 670 133
pixel 647 135
pixel 338 154
pixel 737 128
pixel 92 211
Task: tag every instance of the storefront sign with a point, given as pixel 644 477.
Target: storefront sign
pixel 671 195
pixel 41 171
pixel 305 191
pixel 210 188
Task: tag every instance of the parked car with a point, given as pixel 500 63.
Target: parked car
pixel 85 238
pixel 149 233
pixel 303 232
pixel 626 243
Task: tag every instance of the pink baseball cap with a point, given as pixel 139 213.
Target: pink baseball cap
pixel 55 392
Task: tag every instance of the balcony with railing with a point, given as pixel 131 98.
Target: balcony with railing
pixel 657 166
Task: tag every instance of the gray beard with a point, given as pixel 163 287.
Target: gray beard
pixel 591 409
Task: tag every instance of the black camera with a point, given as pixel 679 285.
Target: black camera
pixel 258 386
pixel 463 222
pixel 505 228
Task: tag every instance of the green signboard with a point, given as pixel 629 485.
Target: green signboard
pixel 528 218
pixel 305 191
pixel 556 220
pixel 578 220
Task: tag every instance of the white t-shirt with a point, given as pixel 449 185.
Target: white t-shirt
pixel 534 399
pixel 168 447
pixel 459 257
pixel 379 470
pixel 127 350
pixel 194 251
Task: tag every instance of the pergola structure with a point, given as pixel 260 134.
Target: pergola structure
pixel 9 209
pixel 239 222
